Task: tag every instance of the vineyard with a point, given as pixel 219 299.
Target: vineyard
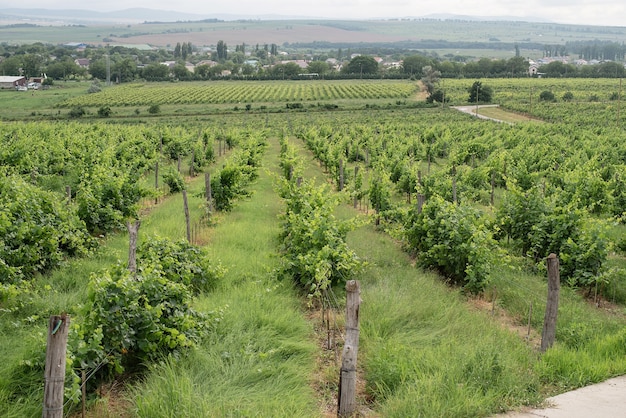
pixel 252 92
pixel 445 219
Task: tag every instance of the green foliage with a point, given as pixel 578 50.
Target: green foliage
pixel 154 109
pixel 379 191
pixel 452 240
pixel 568 96
pixel 174 180
pixel 181 262
pixel 106 197
pixel 239 171
pixel 547 96
pixel 104 111
pixel 94 88
pixel 76 112
pixel 478 93
pixel 313 243
pixel 38 230
pixel 540 227
pixel 133 319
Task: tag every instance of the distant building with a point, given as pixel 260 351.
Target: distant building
pixel 12 82
pixel 82 62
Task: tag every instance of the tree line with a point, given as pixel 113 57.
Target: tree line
pixel 123 64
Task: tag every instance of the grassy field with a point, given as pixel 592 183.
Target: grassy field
pixel 309 31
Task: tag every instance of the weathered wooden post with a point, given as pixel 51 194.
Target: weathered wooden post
pixel 453 184
pixel 208 193
pixel 420 202
pixel 552 307
pixel 156 182
pixel 58 328
pixel 493 187
pixel 341 176
pixel 347 379
pixel 186 205
pixel 356 192
pixel 133 229
pixel 68 193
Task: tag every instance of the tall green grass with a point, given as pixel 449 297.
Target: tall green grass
pixel 260 360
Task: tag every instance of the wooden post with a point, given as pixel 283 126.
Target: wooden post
pixel 420 202
pixel 493 186
pixel 356 172
pixel 133 229
pixel 179 162
pixel 530 317
pixel 156 182
pixel 207 190
pixel 453 184
pixel 347 380
pixel 186 205
pixel 341 174
pixel 83 387
pixel 58 328
pixel 552 307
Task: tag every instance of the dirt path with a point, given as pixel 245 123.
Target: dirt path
pixel 475 109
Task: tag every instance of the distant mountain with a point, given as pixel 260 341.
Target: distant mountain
pixel 449 16
pixel 139 15
pixel 75 16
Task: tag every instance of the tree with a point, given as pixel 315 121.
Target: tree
pixel 430 79
pixel 362 64
pixel 222 50
pixel 203 71
pixel 31 65
pixel 61 69
pixel 319 67
pixel 412 65
pixel 181 72
pixel 11 66
pixel 126 70
pixel 98 69
pixel 479 93
pixel 155 72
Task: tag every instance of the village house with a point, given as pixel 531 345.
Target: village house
pixel 12 82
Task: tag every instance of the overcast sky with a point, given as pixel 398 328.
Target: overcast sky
pixel 593 12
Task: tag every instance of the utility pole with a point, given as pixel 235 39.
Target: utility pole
pixel 108 64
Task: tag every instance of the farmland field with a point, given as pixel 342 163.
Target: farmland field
pixel 253 92
pixel 244 310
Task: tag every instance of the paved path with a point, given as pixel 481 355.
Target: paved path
pixel 602 400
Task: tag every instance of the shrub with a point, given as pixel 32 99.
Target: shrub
pixel 37 230
pixel 568 96
pixel 174 180
pixel 314 249
pixel 452 240
pixel 547 96
pixel 94 88
pixel 132 319
pixel 76 112
pixel 104 111
pixel 154 109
